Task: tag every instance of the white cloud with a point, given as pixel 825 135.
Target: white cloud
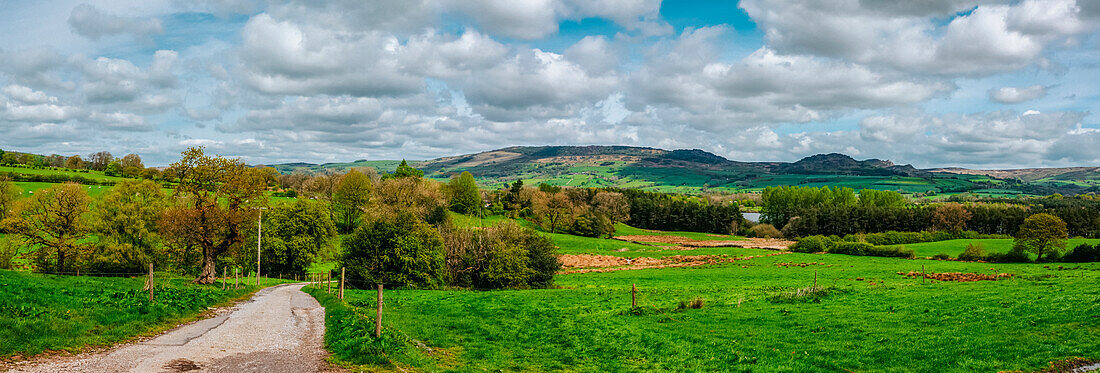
pixel 1014 95
pixel 89 21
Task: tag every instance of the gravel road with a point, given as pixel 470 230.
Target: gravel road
pixel 281 329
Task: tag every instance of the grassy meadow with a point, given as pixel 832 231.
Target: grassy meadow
pixel 41 313
pixel 956 247
pixel 871 319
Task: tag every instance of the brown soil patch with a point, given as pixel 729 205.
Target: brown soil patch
pixel 748 243
pixel 958 276
pixel 584 263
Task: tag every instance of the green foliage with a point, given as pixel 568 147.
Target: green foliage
pixel 502 256
pixel 404 170
pixel 973 252
pixel 881 198
pixel 659 211
pixel 128 213
pixel 54 222
pixel 812 244
pixel 592 225
pixel 1042 234
pixel 866 249
pixel 113 169
pixel 463 195
pixel 350 198
pixel 784 202
pixel 401 249
pixel 1083 253
pixel 8 193
pixel 293 236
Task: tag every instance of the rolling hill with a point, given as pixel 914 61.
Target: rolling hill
pixel 697 171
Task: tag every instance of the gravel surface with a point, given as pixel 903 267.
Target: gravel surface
pixel 281 329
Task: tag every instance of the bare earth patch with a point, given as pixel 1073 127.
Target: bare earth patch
pixel 584 263
pixel 958 276
pixel 748 243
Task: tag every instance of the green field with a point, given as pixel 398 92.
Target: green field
pixel 40 313
pixel 956 247
pixel 93 175
pixel 875 320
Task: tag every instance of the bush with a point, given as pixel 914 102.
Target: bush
pixel 694 304
pixel 1083 253
pixel 941 256
pixel 9 248
pixel 973 252
pixel 807 294
pixel 591 225
pixel 502 256
pixel 866 249
pixel 811 244
pixel 401 249
pixel 765 231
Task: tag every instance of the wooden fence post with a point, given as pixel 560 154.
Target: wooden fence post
pixel 633 295
pixel 150 282
pixel 815 280
pixel 341 282
pixel 225 277
pixel 378 319
pixel 923 275
pixel 328 283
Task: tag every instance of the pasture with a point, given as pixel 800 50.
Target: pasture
pixel 872 319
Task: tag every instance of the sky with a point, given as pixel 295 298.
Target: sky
pixel 970 83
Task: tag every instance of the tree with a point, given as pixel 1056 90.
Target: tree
pixel 28 159
pixel 554 209
pixel 128 213
pixel 950 217
pixel 55 160
pixel 404 170
pixel 321 187
pixel 402 249
pixel 464 196
pixel 131 165
pixel 1042 234
pixel 99 160
pixel 54 220
pixel 217 195
pixel 294 235
pixel 612 204
pixel 8 193
pixel 350 198
pixel 9 159
pixel 113 169
pixel 74 162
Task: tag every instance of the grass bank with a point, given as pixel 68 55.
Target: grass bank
pixel 42 313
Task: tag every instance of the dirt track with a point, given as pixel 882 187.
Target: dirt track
pixel 279 330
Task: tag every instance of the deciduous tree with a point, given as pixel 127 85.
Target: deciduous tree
pixel 54 220
pixel 350 198
pixel 1042 234
pixel 463 194
pixel 220 194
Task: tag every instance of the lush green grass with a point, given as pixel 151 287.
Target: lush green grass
pixel 875 320
pixel 29 188
pixel 956 247
pixel 626 230
pixel 69 313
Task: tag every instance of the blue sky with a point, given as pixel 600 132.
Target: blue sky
pixel 973 83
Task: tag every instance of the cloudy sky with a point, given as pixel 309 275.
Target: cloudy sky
pixel 971 83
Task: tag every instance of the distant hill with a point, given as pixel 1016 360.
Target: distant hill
pixel 696 171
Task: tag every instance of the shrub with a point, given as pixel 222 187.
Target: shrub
pixel 941 256
pixel 866 249
pixel 401 249
pixel 694 304
pixel 973 252
pixel 9 248
pixel 502 256
pixel 811 244
pixel 765 231
pixel 592 225
pixel 1083 253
